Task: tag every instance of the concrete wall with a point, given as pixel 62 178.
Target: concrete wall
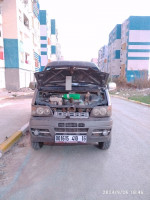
pixel 18 78
pixel 25 78
pixel 12 79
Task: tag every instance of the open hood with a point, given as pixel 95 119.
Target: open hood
pixel 81 73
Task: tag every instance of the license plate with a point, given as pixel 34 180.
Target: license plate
pixel 70 138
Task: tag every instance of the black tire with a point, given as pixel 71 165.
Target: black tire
pixel 104 145
pixel 36 145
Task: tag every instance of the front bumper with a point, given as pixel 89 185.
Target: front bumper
pixel 52 125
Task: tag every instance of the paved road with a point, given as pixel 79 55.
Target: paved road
pixel 83 172
pixel 14 113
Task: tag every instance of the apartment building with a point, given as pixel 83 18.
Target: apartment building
pixel 129 49
pixel 114 47
pixel 102 58
pixel 45 33
pixel 55 46
pixel 135 52
pixel 2 61
pixel 50 47
pixel 21 33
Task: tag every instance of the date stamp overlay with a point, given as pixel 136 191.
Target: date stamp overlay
pixel 122 192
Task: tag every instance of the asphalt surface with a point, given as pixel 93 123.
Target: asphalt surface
pixel 14 113
pixel 83 172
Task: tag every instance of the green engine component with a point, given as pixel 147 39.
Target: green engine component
pixel 71 96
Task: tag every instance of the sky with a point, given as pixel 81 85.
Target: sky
pixel 84 25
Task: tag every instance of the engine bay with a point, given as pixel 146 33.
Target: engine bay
pixel 71 98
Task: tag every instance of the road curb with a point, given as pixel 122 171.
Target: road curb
pixel 123 98
pixel 13 139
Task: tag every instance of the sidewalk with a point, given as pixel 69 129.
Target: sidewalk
pixel 14 112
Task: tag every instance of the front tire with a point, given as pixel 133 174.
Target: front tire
pixel 36 145
pixel 104 145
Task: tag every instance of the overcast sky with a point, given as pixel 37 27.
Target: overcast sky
pixel 84 25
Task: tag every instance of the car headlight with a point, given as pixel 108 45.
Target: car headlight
pixel 41 111
pixel 101 111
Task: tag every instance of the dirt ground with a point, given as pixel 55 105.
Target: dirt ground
pixel 130 92
pixel 12 94
pixel 12 159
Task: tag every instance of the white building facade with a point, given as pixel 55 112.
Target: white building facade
pixel 21 32
pixel 136 47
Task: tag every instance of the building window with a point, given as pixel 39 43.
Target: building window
pixel 26 58
pixel 22 57
pixel 117 54
pixel 53 49
pixel 26 21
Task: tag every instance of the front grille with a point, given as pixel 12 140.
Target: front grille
pixel 71 125
pixel 81 125
pixel 71 114
pixel 70 131
pixel 71 128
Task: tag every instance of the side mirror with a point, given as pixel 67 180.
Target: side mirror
pixel 32 85
pixel 112 86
